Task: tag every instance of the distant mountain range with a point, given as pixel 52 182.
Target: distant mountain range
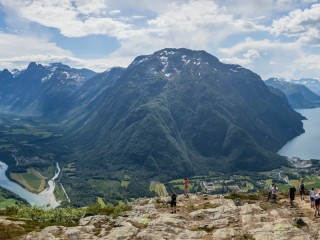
pixel 312 84
pixel 171 114
pixel 297 91
pixel 40 90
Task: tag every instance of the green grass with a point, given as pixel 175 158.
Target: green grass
pixel 310 182
pixel 295 183
pixel 249 186
pixel 32 179
pixel 59 193
pixel 124 183
pixel 283 187
pixel 4 202
pixel 268 182
pixel 48 172
pixel 159 189
pixel 217 185
pixel 177 181
pixel 101 202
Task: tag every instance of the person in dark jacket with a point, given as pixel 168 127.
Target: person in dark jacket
pixel 292 194
pixel 173 202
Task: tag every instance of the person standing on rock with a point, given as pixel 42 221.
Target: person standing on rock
pixel 270 192
pixel 312 195
pixel 302 190
pixel 317 204
pixel 274 192
pixel 173 202
pixel 292 193
pixel 186 186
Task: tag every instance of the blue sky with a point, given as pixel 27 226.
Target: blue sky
pixel 274 38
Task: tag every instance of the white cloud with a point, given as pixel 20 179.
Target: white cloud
pixel 16 46
pixel 88 7
pixel 252 54
pixel 307 66
pixel 78 20
pixel 310 1
pixel 267 58
pixel 301 24
pixel 19 51
pixel 114 12
pixel 195 24
pixel 192 24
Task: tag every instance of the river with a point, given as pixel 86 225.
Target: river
pixel 307 145
pixel 46 198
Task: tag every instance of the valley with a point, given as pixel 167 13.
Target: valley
pixel 170 114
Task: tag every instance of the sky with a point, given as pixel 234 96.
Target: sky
pixel 274 38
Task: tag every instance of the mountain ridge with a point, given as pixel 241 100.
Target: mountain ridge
pixel 299 95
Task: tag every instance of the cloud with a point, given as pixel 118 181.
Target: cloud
pixel 307 66
pixel 301 24
pixel 230 29
pixel 267 58
pixel 201 24
pixel 19 51
pixel 114 12
pixel 15 46
pixel 73 20
pixel 252 54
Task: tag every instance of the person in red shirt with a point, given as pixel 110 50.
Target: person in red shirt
pixel 186 186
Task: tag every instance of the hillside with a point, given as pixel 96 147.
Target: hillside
pixel 178 113
pixel 298 95
pixel 198 217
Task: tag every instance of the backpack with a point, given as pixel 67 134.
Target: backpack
pixel 174 197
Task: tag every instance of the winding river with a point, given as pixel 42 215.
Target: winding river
pixel 307 145
pixel 45 199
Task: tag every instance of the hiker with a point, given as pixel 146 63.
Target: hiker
pixel 186 186
pixel 302 190
pixel 312 195
pixel 270 191
pixel 274 192
pixel 173 202
pixel 292 193
pixel 317 204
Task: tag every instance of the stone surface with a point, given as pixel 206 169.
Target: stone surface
pixel 197 218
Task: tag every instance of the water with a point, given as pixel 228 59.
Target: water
pixel 307 145
pixel 45 198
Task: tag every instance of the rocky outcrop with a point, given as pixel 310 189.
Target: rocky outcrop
pixel 198 217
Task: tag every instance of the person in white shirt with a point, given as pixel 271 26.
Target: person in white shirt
pixel 274 192
pixel 270 191
pixel 312 194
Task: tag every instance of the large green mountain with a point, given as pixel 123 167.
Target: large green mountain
pixel 178 113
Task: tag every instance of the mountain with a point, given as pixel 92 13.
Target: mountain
pixel 91 93
pixel 299 96
pixel 312 84
pixel 178 113
pixel 40 90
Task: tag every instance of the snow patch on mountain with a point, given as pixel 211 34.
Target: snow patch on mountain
pixel 140 61
pixel 46 78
